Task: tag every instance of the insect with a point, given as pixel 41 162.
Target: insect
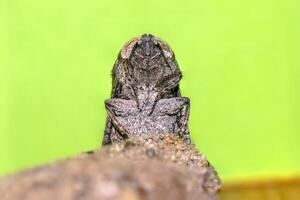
pixel 145 96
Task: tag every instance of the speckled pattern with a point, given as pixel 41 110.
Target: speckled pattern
pixel 137 122
pixel 161 167
pixel 144 88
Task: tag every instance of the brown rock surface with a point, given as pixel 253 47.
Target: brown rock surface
pixel 160 167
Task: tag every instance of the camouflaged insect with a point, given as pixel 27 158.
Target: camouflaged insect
pixel 145 97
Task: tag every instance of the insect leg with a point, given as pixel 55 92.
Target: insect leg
pixel 107 132
pixel 116 124
pixel 183 120
pixel 165 85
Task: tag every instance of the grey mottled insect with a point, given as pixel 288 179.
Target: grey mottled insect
pixel 145 97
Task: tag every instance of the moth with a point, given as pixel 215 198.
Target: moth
pixel 146 98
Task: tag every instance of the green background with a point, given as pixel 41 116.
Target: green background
pixel 240 61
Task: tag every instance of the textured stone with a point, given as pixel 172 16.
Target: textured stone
pixel 159 167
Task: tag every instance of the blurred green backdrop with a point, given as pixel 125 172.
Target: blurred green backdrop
pixel 240 61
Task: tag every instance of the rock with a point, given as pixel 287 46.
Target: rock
pixel 159 167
